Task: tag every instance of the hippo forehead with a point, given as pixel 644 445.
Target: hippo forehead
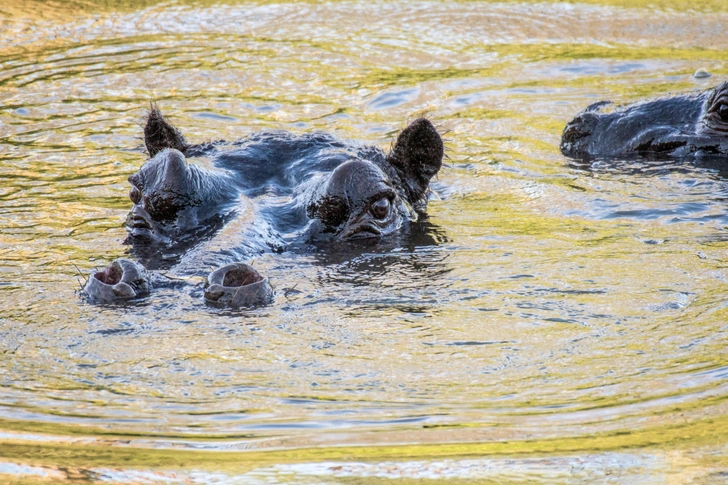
pixel 168 168
pixel 358 181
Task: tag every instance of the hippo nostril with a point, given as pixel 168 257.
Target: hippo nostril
pixel 380 209
pixel 111 275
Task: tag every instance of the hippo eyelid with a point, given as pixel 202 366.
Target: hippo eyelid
pixel 387 193
pixel 381 208
pixel 717 101
pixel 715 117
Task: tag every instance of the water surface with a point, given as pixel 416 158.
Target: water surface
pixel 550 321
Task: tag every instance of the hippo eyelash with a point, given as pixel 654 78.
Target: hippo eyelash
pixel 389 194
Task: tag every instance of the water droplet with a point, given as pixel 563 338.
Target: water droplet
pixel 702 74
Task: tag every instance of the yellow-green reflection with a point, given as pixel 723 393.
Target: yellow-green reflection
pixel 549 310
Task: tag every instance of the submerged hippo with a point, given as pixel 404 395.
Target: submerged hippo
pixel 262 193
pixel 680 126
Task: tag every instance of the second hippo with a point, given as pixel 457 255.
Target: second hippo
pixel 689 125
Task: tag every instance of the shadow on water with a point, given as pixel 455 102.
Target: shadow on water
pixel 715 167
pixel 405 273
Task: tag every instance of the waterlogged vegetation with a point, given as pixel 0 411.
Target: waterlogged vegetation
pixel 551 321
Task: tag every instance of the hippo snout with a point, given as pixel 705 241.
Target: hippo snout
pixel 237 285
pixel 122 279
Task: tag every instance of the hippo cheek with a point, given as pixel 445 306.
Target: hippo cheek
pixel 658 141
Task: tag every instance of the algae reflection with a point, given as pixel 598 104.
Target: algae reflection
pixel 552 322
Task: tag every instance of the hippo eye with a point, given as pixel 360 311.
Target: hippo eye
pixel 380 209
pixel 723 112
pixel 135 195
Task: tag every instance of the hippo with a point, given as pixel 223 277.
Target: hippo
pixel 689 125
pixel 267 192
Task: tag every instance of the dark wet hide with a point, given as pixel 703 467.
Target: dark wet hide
pixel 678 127
pixel 155 256
pixel 307 187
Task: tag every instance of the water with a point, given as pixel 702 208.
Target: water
pixel 551 322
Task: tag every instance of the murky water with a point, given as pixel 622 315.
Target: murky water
pixel 551 321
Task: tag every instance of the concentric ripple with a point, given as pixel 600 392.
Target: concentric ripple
pixel 566 313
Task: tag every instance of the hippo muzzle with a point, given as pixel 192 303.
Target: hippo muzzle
pixel 122 279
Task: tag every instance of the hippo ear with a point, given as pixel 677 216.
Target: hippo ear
pixel 417 156
pixel 160 134
pixel 596 107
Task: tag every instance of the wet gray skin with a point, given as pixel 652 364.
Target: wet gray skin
pixel 336 191
pixel 237 285
pixel 692 125
pixel 121 280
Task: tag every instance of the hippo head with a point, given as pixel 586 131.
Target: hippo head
pixel 170 198
pixel 370 199
pixel 680 126
pixel 360 201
